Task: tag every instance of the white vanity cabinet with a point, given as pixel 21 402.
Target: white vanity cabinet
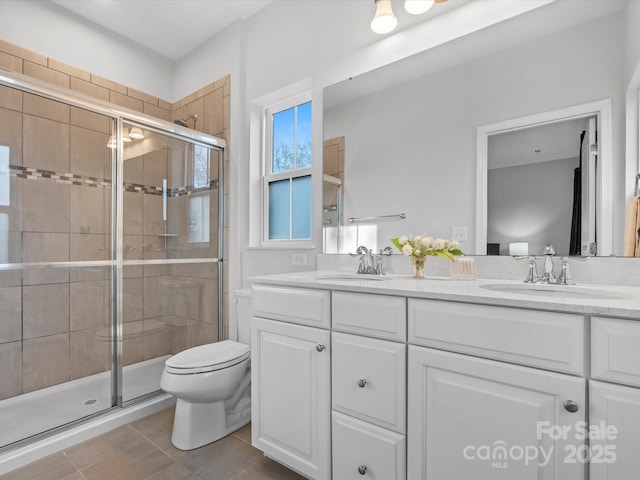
pixel 472 417
pixel 290 377
pixel 614 399
pixel 349 385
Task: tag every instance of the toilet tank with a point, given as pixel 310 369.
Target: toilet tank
pixel 243 314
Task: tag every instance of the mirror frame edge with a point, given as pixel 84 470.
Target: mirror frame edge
pixel 603 109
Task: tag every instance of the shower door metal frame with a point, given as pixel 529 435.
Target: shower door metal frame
pixel 119 115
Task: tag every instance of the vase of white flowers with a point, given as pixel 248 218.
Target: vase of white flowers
pixel 420 247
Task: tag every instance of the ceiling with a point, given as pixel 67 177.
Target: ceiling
pixel 171 28
pixel 554 141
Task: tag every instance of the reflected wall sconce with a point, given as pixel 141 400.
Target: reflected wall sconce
pixel 136 133
pixel 384 21
pixel 128 135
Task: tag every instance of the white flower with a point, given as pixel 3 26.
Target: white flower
pixel 454 245
pixel 407 249
pixel 402 240
pixel 416 240
pixel 427 242
pixel 439 243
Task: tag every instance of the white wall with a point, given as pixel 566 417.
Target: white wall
pixel 632 83
pixel 531 203
pixel 50 30
pixel 412 148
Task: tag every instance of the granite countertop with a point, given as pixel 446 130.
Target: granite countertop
pixel 605 300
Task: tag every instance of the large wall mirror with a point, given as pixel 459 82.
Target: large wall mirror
pixel 409 135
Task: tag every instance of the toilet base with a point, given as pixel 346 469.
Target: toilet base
pixel 198 424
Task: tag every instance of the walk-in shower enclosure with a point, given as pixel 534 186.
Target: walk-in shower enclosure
pixel 110 254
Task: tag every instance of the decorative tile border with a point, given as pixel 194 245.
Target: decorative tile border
pixel 67 178
pixel 29 173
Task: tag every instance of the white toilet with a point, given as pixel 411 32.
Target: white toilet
pixel 212 385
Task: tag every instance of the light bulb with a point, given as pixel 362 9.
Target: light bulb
pixel 416 7
pixel 384 20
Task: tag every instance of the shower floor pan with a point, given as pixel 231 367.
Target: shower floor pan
pixel 36 412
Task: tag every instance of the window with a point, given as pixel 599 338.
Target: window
pixel 287 178
pixel 199 201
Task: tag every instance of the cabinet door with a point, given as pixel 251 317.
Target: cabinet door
pixel 291 395
pixel 614 414
pixel 471 418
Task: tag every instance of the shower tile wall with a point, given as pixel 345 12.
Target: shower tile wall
pixel 54 322
pixel 41 342
pixel 212 105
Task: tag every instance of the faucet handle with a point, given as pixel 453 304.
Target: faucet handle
pixel 532 275
pixel 549 250
pixel 565 273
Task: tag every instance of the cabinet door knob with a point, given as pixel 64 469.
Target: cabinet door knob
pixel 571 406
pixel 362 469
pixel 320 347
pixel 361 382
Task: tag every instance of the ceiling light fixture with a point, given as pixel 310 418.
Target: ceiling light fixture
pixel 416 7
pixel 384 21
pixel 112 142
pixel 125 135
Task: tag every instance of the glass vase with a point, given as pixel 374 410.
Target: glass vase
pixel 417 267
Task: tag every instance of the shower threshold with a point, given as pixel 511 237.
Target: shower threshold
pixel 36 412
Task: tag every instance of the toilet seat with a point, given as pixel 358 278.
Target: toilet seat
pixel 207 358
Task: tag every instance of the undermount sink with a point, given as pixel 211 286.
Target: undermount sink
pixel 556 291
pixel 351 277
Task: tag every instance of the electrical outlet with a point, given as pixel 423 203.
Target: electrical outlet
pixel 299 259
pixel 459 234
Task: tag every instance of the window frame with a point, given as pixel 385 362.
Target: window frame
pixel 268 177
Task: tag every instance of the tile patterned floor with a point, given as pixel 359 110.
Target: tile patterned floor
pixel 142 450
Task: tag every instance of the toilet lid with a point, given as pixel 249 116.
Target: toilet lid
pixel 212 356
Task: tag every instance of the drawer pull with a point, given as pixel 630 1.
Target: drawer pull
pixel 570 406
pixel 362 469
pixel 361 382
pixel 320 347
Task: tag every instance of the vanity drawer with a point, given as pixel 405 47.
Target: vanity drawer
pixel 361 450
pixel 297 305
pixel 548 340
pixel 369 379
pixel 615 351
pixel 381 316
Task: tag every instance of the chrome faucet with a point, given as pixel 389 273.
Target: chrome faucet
pixel 564 278
pixel 370 263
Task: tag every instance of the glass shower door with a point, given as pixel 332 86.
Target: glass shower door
pixel 56 264
pixel 170 283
